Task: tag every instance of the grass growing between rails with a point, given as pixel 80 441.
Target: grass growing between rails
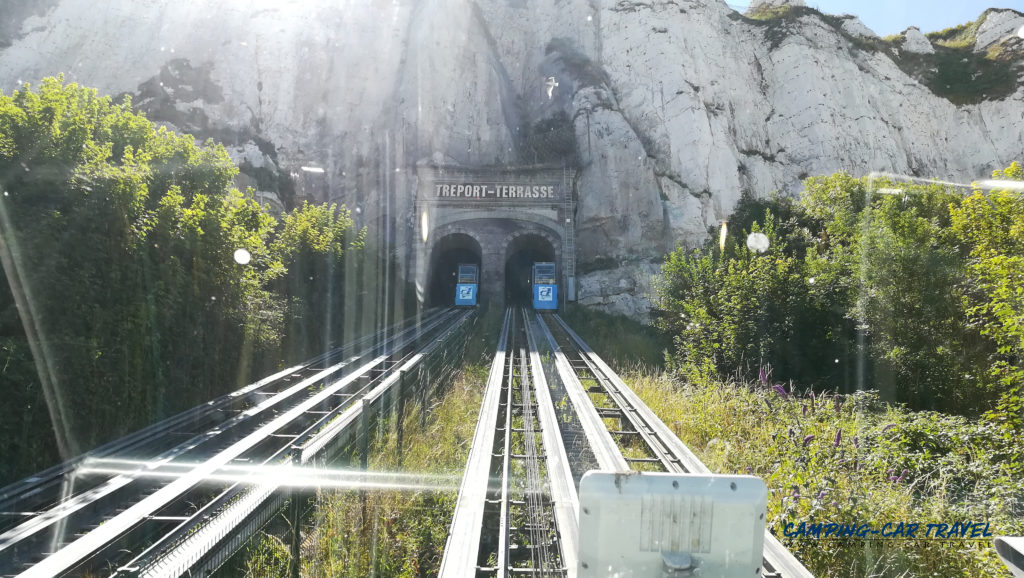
pixel 403 533
pixel 853 460
pixel 624 343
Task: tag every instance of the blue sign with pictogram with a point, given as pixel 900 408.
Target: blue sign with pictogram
pixel 465 294
pixel 545 296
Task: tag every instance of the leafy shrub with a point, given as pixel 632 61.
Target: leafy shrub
pixel 862 286
pixel 122 302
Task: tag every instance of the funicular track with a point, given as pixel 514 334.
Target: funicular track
pixel 176 507
pixel 598 418
pixel 516 511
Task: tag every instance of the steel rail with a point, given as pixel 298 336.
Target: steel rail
pixel 204 531
pixel 463 544
pixel 506 465
pixel 106 489
pixel 548 502
pixel 563 489
pixel 601 443
pixel 779 561
pixel 14 495
pixel 73 553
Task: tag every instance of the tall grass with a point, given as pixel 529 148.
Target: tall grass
pixel 403 533
pixel 851 460
pixel 626 344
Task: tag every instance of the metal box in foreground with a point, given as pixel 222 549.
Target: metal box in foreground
pixel 657 525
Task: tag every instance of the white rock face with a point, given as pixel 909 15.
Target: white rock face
pixel 854 27
pixel 917 42
pixel 626 290
pixel 998 25
pixel 677 106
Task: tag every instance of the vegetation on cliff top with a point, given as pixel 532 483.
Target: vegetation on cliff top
pixel 954 71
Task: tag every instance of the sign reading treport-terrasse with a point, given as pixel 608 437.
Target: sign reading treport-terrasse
pixel 498 191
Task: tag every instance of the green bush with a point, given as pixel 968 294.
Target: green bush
pixel 863 286
pixel 122 302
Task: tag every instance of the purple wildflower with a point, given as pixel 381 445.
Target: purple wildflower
pixel 805 410
pixel 888 427
pixel 807 439
pixel 856 442
pixel 839 438
pixel 838 403
pixel 762 377
pixel 780 390
pixel 822 494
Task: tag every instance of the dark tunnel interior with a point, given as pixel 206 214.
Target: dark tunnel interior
pixel 447 255
pixel 523 253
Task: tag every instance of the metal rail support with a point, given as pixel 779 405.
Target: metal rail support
pixel 401 416
pixel 296 561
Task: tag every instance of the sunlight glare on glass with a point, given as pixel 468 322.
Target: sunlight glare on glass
pixel 758 242
pixel 424 226
pixel 274 475
pixel 314 170
pixel 242 256
pixel 1001 185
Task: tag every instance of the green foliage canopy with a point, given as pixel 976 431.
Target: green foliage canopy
pixel 913 290
pixel 122 302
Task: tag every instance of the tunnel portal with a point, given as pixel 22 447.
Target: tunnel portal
pixel 449 252
pixel 522 254
pixel 502 220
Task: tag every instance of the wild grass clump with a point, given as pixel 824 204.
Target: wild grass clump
pixel 961 36
pixel 626 344
pixel 852 459
pixel 396 533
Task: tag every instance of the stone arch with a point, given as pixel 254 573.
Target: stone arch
pixel 455 217
pixel 518 245
pixel 458 243
pixel 495 235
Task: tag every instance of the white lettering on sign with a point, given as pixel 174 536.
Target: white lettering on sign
pixel 494 191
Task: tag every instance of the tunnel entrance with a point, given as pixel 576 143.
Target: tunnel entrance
pixel 523 252
pixel 448 253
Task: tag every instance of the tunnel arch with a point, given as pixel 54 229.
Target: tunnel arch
pixel 522 250
pixel 447 252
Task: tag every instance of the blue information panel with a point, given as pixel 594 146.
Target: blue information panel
pixel 465 294
pixel 545 296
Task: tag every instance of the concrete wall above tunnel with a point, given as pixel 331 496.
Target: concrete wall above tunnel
pixel 500 211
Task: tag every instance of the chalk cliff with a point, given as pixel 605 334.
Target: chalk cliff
pixel 673 108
